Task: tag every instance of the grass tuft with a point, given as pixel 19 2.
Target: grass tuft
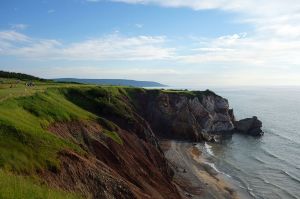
pixel 114 136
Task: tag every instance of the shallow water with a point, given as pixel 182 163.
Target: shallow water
pixel 266 167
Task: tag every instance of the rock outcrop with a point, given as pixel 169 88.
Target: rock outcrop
pixel 186 115
pixel 250 126
pixel 192 115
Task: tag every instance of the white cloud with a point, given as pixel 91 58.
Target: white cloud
pixel 19 26
pixel 274 42
pixel 116 47
pixel 253 7
pixel 13 36
pixel 244 51
pixel 276 17
pixel 111 47
pixel 139 25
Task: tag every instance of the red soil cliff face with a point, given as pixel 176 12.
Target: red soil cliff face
pixel 132 169
pixel 133 164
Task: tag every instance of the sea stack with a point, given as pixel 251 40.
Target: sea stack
pixel 250 126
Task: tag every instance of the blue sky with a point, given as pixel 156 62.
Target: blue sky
pixel 176 42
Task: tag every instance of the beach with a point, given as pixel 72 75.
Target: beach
pixel 194 177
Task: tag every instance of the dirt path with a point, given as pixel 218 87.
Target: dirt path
pixel 194 177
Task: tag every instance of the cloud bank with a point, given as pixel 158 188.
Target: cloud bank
pixel 281 18
pixel 110 47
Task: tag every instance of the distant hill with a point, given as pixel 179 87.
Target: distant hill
pixel 121 82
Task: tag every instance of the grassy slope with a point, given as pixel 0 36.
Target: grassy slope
pixel 17 187
pixel 9 88
pixel 25 145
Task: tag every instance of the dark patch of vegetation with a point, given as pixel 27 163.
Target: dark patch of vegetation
pixel 188 93
pixel 20 76
pixel 109 125
pixel 108 102
pixel 65 82
pixel 134 94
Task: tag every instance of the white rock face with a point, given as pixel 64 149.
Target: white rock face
pixel 212 113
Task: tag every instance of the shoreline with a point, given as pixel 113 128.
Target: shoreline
pixel 194 177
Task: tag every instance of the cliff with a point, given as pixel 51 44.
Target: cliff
pixel 101 142
pixel 186 115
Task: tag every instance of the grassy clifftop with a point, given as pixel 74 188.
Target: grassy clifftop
pixel 27 147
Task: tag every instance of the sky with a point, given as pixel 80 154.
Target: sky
pixel 185 43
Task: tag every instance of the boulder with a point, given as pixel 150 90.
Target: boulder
pixel 250 126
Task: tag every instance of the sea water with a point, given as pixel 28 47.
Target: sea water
pixel 267 167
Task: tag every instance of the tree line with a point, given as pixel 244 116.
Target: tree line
pixel 20 76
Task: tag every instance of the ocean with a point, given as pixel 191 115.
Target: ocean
pixel 267 167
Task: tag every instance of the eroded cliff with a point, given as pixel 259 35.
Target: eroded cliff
pixel 185 115
pixel 136 167
pixel 102 142
pixel 139 117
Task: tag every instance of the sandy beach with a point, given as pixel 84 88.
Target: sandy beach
pixel 193 176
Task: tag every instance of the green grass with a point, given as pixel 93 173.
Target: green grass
pixel 10 89
pixel 17 187
pixel 186 93
pixel 25 145
pixel 114 136
pixel 107 101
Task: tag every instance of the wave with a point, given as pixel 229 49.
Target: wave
pixel 212 165
pixel 294 178
pixel 258 160
pixel 271 154
pixel 208 149
pixel 265 181
pixel 268 153
pixel 246 187
pixel 273 132
pixel 286 192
